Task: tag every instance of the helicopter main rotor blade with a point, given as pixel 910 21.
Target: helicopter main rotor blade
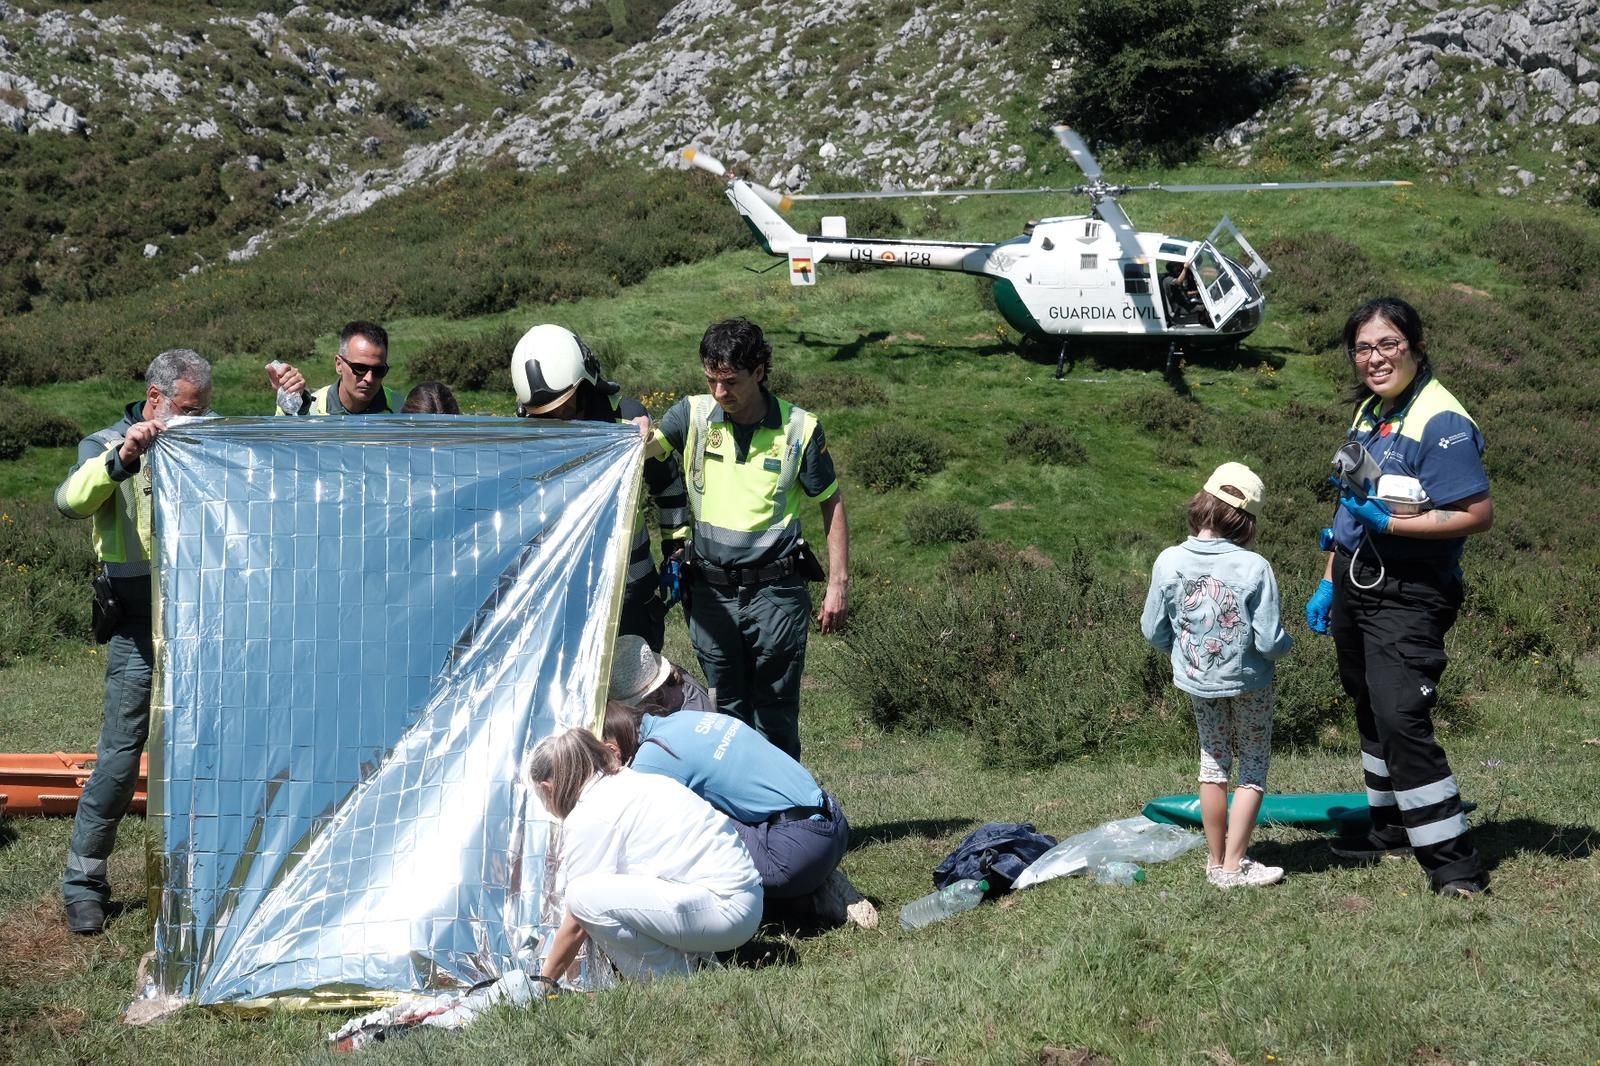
pixel 705 161
pixel 1271 185
pixel 1078 151
pixel 1112 214
pixel 902 194
pixel 695 157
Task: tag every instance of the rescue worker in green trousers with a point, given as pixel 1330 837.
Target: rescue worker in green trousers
pixel 557 377
pixel 111 485
pixel 747 456
pixel 362 364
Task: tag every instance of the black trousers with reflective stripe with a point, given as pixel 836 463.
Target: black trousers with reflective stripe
pixel 1390 640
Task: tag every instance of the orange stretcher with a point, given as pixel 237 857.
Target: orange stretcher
pixel 52 784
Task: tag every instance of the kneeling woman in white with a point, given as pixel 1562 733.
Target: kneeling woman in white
pixel 653 873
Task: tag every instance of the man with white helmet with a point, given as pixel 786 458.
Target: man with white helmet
pixel 557 376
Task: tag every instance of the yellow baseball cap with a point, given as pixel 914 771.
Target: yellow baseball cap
pixel 1238 485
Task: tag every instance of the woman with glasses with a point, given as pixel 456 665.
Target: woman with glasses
pixel 649 871
pixel 1392 586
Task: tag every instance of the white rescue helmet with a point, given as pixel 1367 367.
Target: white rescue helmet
pixel 547 366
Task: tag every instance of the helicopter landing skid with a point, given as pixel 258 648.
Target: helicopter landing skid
pixel 1174 352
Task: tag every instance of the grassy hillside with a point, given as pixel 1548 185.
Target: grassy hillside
pixel 1085 477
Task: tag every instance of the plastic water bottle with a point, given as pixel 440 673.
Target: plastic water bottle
pixel 1118 873
pixel 937 906
pixel 288 401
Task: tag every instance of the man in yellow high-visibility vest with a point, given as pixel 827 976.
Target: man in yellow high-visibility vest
pixel 747 455
pixel 362 364
pixel 111 485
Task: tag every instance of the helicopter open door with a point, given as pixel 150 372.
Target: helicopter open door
pixel 1219 289
pixel 1248 258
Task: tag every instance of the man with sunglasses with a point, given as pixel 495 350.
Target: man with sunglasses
pixel 111 485
pixel 362 364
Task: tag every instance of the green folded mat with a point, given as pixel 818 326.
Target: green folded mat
pixel 1330 812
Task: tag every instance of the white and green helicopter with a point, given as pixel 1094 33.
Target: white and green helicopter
pixel 1086 276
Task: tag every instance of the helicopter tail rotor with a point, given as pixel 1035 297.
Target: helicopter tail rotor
pixel 778 201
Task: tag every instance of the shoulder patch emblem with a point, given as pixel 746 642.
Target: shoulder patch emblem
pixel 1458 438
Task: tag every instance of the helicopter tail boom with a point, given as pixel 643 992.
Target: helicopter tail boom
pixel 958 256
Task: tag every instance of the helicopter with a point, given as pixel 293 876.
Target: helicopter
pixel 1088 275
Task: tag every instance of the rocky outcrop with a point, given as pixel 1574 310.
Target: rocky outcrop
pixel 1445 85
pixel 25 108
pixel 925 98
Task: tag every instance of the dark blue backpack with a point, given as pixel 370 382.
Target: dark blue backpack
pixel 997 853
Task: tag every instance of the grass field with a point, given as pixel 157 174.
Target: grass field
pixel 1338 964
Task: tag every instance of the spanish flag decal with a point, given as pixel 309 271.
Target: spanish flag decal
pixel 801 271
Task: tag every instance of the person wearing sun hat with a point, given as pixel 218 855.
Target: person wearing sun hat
pixel 1213 604
pixel 660 721
pixel 642 677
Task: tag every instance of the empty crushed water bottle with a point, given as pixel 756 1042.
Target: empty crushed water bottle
pixel 288 402
pixel 1118 873
pixel 937 906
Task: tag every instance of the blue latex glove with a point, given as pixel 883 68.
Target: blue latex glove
pixel 671 578
pixel 1320 607
pixel 1369 512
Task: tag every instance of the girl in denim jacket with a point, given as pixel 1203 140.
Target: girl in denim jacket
pixel 1213 604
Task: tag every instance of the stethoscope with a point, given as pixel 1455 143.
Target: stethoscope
pixel 1381 427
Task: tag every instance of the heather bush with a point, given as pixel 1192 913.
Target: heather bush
pixel 45 568
pixel 27 425
pixel 893 457
pixel 944 522
pixel 448 249
pixel 1041 663
pixel 1166 414
pixel 472 363
pixel 1046 442
pixel 830 392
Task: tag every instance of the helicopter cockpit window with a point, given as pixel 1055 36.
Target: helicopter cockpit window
pixel 1135 277
pixel 1208 269
pixel 1170 248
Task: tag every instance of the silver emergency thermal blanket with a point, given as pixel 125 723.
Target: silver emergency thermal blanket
pixel 363 625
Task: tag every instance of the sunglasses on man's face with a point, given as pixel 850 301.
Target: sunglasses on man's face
pixel 361 370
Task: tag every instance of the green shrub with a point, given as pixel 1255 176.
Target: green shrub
pixel 944 522
pixel 1325 277
pixel 27 425
pixel 1046 442
pixel 831 392
pixel 45 568
pixel 13 442
pixel 1544 252
pixel 1041 664
pixel 893 457
pixel 448 249
pixel 1166 414
pixel 471 363
pixel 1148 74
pixel 46 429
pixel 980 558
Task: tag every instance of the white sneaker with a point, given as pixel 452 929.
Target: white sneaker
pixel 1250 874
pixel 1256 874
pixel 837 902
